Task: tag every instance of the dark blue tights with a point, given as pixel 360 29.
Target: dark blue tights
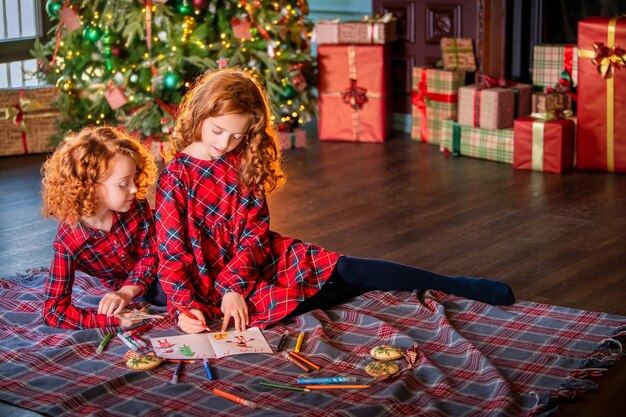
pixel 155 295
pixel 354 276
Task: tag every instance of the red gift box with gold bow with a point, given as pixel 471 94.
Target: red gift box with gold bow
pixel 354 88
pixel 543 143
pixel 601 143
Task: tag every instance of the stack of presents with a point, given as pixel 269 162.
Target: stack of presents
pixel 354 79
pixel 566 118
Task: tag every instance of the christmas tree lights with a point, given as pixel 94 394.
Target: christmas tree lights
pixel 129 62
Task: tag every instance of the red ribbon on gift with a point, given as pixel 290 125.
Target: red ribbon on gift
pixel 565 85
pixel 568 59
pixel 18 121
pixel 488 82
pixel 608 59
pixel 354 95
pixel 491 82
pixel 420 99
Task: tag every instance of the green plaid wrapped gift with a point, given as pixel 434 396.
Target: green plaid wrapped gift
pixel 435 98
pixel 477 142
pixel 549 61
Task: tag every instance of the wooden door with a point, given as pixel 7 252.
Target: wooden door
pixel 421 24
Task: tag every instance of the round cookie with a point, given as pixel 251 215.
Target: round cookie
pixel 143 362
pixel 381 369
pixel 386 353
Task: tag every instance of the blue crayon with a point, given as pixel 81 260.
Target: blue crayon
pixel 330 380
pixel 179 366
pixel 207 369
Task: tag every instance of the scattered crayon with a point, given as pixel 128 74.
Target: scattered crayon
pixel 234 398
pixel 104 342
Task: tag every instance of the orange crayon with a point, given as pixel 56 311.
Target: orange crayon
pixel 233 398
pixel 305 360
pixel 295 361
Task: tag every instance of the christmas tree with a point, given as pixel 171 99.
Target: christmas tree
pixel 129 62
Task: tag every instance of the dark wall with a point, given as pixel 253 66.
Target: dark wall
pixel 560 17
pixel 532 22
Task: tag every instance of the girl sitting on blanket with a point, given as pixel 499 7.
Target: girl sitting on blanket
pixel 217 255
pixel 95 183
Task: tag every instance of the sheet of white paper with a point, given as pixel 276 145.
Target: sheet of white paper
pixel 237 343
pixel 210 345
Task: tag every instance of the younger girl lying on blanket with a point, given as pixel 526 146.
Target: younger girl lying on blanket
pixel 217 253
pixel 95 183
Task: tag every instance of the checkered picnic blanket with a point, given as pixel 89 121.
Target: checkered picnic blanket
pixel 472 359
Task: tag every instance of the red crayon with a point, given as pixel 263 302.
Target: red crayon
pixel 142 328
pixel 191 316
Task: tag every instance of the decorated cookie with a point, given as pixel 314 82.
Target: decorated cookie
pixel 386 353
pixel 143 362
pixel 381 369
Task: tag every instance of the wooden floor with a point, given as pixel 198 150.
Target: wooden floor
pixel 557 239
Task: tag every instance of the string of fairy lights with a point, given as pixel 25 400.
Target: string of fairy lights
pixel 153 49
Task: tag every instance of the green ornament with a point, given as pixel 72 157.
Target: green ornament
pixel 53 7
pixel 91 34
pixel 185 8
pixel 289 92
pixel 173 80
pixel 107 39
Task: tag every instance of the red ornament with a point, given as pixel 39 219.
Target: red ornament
pixel 241 28
pixel 115 96
pixel 116 50
pixel 199 4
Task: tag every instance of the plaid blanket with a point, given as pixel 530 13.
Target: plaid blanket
pixel 472 359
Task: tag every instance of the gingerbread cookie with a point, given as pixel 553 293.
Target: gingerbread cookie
pixel 386 353
pixel 143 362
pixel 381 369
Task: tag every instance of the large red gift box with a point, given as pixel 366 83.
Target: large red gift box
pixel 354 87
pixel 545 146
pixel 601 111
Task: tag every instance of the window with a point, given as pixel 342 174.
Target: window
pixel 21 22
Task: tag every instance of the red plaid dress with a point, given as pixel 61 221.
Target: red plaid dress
pixel 214 238
pixel 126 255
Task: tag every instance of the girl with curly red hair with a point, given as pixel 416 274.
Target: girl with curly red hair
pixel 96 184
pixel 217 255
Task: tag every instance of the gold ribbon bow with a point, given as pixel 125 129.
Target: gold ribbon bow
pixel 17 111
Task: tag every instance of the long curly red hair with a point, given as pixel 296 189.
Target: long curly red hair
pixel 71 176
pixel 227 91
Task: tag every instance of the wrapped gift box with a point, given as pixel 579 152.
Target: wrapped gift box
pixel 477 142
pixel 435 98
pixel 458 54
pixel 326 31
pixel 292 140
pixel 601 142
pixel 493 107
pixel 158 148
pixel 551 102
pixel 545 146
pixel 549 61
pixel 38 123
pixel 370 31
pixel 354 87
